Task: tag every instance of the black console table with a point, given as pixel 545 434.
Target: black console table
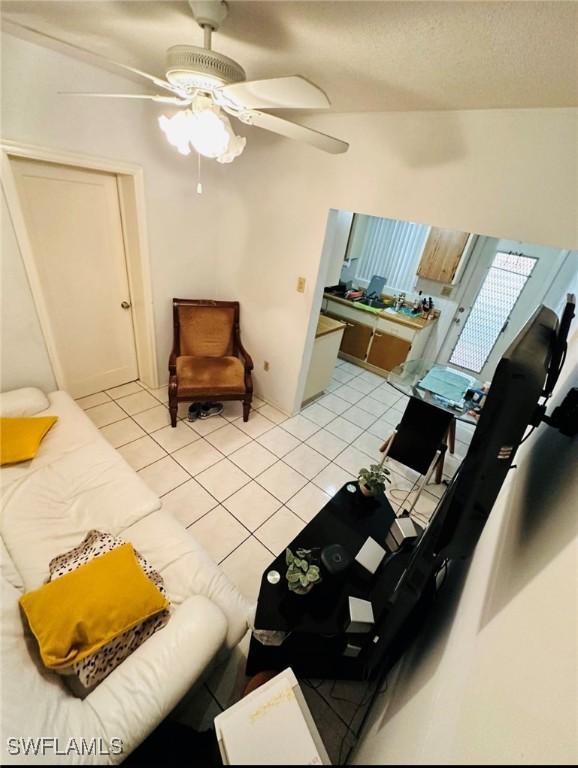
pixel 315 623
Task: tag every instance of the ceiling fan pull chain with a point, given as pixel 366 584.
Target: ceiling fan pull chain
pixel 199 182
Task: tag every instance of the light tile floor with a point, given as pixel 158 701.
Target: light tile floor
pixel 245 490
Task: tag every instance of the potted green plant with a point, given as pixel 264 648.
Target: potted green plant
pixel 372 480
pixel 302 573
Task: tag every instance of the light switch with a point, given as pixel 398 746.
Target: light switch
pixel 300 285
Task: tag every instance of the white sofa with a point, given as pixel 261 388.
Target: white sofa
pixel 76 483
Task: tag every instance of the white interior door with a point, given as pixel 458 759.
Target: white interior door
pixel 508 284
pixel 73 221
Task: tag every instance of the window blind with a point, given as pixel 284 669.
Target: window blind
pixel 388 248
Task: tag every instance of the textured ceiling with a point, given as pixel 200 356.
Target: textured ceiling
pixel 368 56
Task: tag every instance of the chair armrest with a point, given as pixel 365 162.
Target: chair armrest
pixel 247 361
pixel 142 691
pixel 173 361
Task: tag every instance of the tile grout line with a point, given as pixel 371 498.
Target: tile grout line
pixel 300 442
pixel 166 493
pixel 245 540
pixel 309 481
pixel 213 696
pixel 169 454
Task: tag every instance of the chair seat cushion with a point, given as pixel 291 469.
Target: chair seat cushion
pixel 210 375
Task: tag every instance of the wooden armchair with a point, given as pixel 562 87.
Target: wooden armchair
pixel 208 361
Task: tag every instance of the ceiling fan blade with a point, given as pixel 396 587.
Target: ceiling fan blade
pixel 293 92
pixel 161 99
pixel 295 131
pixel 15 26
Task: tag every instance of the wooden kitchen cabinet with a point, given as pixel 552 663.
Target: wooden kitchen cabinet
pixel 356 338
pixel 387 351
pixel 379 341
pixel 441 254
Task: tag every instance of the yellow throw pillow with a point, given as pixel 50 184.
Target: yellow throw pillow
pixel 78 613
pixel 21 438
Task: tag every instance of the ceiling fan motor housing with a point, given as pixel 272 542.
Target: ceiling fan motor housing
pixel 191 68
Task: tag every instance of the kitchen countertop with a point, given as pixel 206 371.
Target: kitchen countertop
pixel 327 325
pixel 411 322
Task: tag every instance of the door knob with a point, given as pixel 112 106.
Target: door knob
pixel 125 304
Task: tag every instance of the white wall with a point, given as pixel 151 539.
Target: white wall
pixel 506 173
pixel 493 677
pixel 261 222
pixel 337 233
pixel 566 281
pixel 24 358
pixel 181 224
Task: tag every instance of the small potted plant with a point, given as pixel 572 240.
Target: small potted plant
pixel 302 573
pixel 372 480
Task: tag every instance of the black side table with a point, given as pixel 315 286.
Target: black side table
pixel 316 621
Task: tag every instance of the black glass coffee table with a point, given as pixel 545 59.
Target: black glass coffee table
pixel 315 623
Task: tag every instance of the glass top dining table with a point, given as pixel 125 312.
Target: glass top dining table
pixel 426 380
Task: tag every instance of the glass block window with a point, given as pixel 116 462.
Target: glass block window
pixel 491 311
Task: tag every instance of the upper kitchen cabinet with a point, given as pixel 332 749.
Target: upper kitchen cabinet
pixel 442 254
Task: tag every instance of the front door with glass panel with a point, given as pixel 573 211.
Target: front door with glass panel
pixel 507 287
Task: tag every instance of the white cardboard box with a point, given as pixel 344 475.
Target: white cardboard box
pixel 361 618
pixel 370 555
pixel 271 726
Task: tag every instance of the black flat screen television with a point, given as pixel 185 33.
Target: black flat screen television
pixel 526 373
pixel 515 391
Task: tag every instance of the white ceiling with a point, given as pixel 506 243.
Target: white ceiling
pixel 368 56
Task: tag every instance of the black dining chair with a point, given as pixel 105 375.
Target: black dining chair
pixel 420 441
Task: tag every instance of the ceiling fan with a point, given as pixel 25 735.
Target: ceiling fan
pixel 207 84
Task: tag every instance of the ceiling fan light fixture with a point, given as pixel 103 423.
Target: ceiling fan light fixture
pixel 205 129
pixel 191 81
pixel 192 68
pixel 209 133
pixel 236 146
pixel 176 129
pixel 208 84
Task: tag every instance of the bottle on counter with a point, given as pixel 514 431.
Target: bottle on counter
pixel 427 307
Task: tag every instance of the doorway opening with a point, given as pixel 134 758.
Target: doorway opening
pixel 506 282
pixel 491 312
